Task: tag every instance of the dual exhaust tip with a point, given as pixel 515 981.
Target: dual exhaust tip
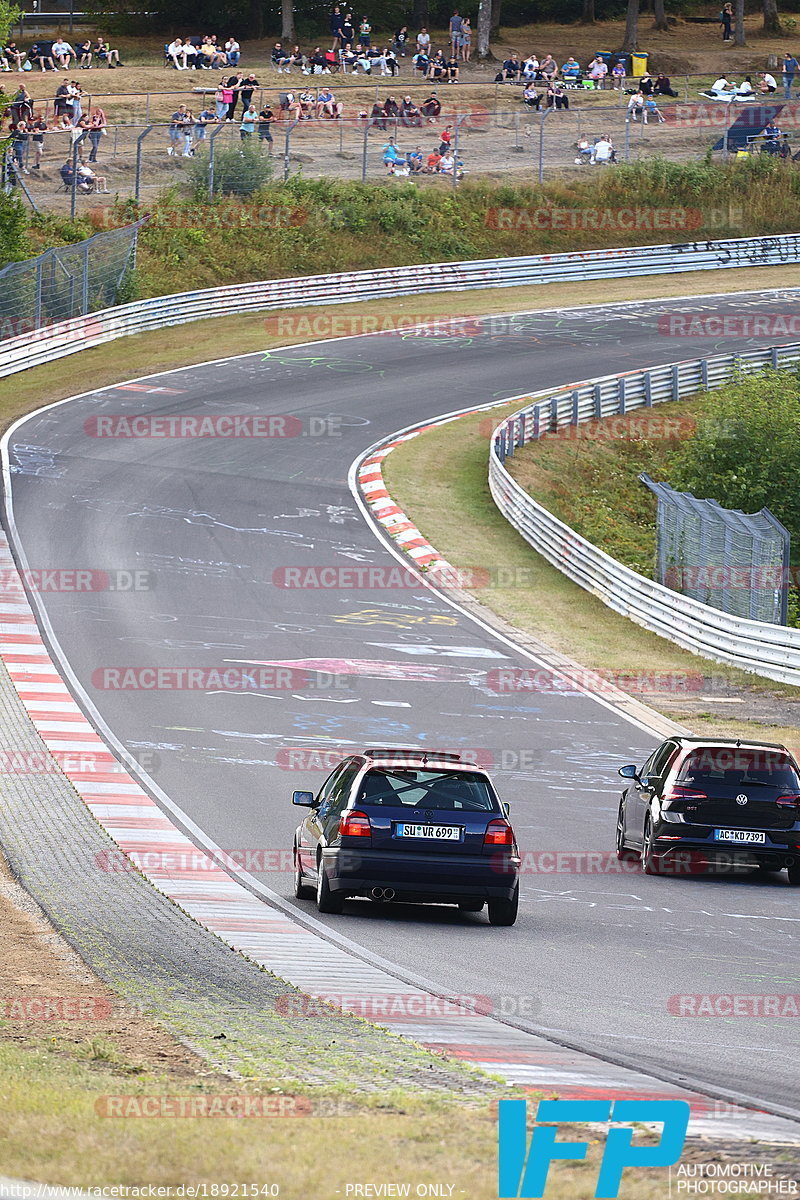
pixel 379 893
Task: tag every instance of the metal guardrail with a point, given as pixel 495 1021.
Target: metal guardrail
pixel 754 646
pixel 158 312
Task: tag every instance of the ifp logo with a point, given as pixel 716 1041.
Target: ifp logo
pixel 522 1171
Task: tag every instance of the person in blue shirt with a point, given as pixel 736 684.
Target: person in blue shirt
pixel 788 67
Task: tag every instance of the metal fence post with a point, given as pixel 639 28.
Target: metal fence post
pixel 211 155
pixel 137 187
pixel 74 192
pixel 37 314
pixel 286 159
pixel 627 139
pixel 459 120
pixel 364 154
pixel 85 279
pixel 544 117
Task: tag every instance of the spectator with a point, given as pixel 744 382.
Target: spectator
pixel 21 108
pixel 176 129
pixel 77 96
pixel 191 52
pixel 530 67
pixel 663 86
pixel 455 31
pixel 248 86
pixel 19 144
pixel 400 40
pixel 233 83
pixel 177 52
pixel 63 53
pixel 83 51
pixel 549 68
pixel 431 108
pixel 726 21
pixel 328 105
pixel 571 69
pixel 646 85
pixel 531 97
pixel 266 119
pixel 80 130
pixel 788 67
pixel 348 32
pixel 465 40
pixel 511 68
pixel 415 160
pixel 651 109
pixel 363 63
pixel 348 59
pixel 452 69
pixel 409 113
pixel 104 53
pixel 772 135
pixel 96 183
pixel 768 83
pixel 38 128
pixel 12 54
pixel 556 96
pixel 97 131
pixel 233 52
pixel 745 88
pixel 249 122
pixel 597 71
pixel 636 106
pixel 211 56
pixel 389 63
pixel 391 109
pixel 365 34
pixel 206 116
pixel 447 164
pixel 222 98
pixel 280 59
pixel 36 54
pixel 336 24
pixel 378 116
pixel 438 67
pixel 316 63
pixel 304 108
pixel 432 162
pixel 618 75
pixel 391 155
pixel 421 63
pixel 424 41
pixel 188 131
pixel 67 175
pixel 785 150
pixel 603 151
pixel 720 85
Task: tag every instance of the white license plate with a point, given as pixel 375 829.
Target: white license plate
pixel 439 833
pixel 740 835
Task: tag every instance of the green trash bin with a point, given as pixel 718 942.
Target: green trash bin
pixel 639 64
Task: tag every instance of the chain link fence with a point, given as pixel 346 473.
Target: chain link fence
pixel 734 561
pixel 66 282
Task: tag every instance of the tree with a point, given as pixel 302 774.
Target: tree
pixel 421 14
pixel 484 29
pixel 287 21
pixel 9 15
pixel 587 12
pixel 772 24
pixel 631 41
pixel 660 14
pixel 497 6
pixel 738 24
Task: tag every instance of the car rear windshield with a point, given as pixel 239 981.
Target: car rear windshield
pixel 454 790
pixel 732 765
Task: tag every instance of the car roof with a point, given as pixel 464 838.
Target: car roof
pixel 692 743
pixel 417 757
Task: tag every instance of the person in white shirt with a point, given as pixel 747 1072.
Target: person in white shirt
pixel 530 67
pixel 62 52
pixel 177 52
pixel 768 83
pixel 745 88
pixel 603 150
pixel 423 41
pixel 720 85
pixel 233 51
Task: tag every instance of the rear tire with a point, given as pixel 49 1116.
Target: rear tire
pixel 327 901
pixel 504 912
pixel 302 891
pixel 471 905
pixel 649 862
pixel 794 874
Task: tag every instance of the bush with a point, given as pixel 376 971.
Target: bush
pixel 239 170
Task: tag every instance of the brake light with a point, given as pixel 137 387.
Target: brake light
pixel 678 792
pixel 788 801
pixel 355 824
pixel 498 833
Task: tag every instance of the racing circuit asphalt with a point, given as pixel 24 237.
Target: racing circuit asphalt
pixel 594 957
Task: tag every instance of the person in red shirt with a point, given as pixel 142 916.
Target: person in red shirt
pixel 433 160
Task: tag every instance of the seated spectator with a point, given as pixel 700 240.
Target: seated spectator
pixel 281 59
pixel 720 85
pixel 409 113
pixel 437 69
pixel 424 42
pixel 399 41
pixel 63 53
pixel 297 58
pixel 745 88
pixel 348 58
pixel 66 172
pixel 549 67
pixel 530 67
pixel 176 51
pixel 388 62
pixel 392 155
pixel 445 139
pixel 772 135
pixel 37 54
pixel 378 116
pixel 636 106
pixel 768 83
pixel 211 56
pixel 597 71
pixel 618 76
pixel 452 69
pixel 421 62
pixel 585 150
pixel 511 68
pixel 328 105
pixel 96 183
pixel 531 97
pixel 316 62
pixel 83 51
pixel 646 85
pixel 431 108
pixel 233 52
pixel 785 150
pixel 13 55
pixel 663 86
pixel 556 96
pixel 104 53
pixel 304 108
pixel 447 164
pixel 363 63
pixel 603 151
pixel 432 162
pixel 651 109
pixel 286 102
pixel 391 108
pixel 571 70
pixel 191 53
pixel 415 160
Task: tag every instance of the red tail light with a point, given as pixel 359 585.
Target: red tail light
pixel 355 824
pixel 498 833
pixel 678 792
pixel 788 801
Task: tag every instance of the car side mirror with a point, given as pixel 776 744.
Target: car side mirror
pixel 629 772
pixel 306 799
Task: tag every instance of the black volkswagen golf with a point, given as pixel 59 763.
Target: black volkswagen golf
pixel 715 802
pixel 412 825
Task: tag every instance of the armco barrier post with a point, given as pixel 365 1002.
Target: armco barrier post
pixel 137 187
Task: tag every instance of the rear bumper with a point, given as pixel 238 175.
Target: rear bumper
pixel 697 843
pixel 421 877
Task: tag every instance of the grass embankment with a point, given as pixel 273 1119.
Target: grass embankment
pixel 307 227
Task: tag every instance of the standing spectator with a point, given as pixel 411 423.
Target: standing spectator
pixel 97 131
pixel 265 121
pixel 175 130
pixel 726 21
pixel 222 99
pixel 618 75
pixel 424 42
pixel 19 144
pixel 233 52
pixel 455 31
pixel 248 86
pixel 465 40
pixel 80 131
pixel 337 24
pixel 249 122
pixel 400 39
pixel 83 51
pixel 38 128
pixel 206 116
pixel 789 66
pixel 21 108
pixel 232 84
pixel 365 34
pixel 348 31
